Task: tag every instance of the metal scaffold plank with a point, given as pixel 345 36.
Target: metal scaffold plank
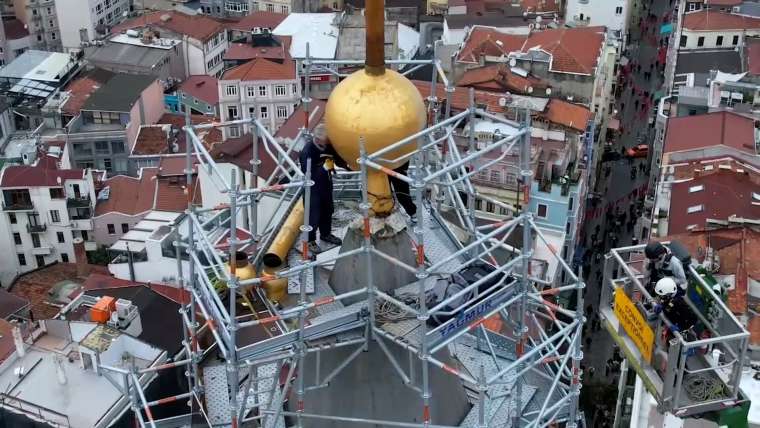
pixel 217 395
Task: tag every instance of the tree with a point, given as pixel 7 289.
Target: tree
pixel 99 257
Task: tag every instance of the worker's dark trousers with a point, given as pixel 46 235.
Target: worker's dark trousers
pixel 401 190
pixel 320 214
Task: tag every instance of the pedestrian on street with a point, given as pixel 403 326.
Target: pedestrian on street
pixel 608 367
pixel 588 342
pixel 591 371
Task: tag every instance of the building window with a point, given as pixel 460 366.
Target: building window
pixel 12 218
pixel 117 146
pixel 16 238
pixel 263 112
pixel 495 176
pixel 55 217
pixel 40 261
pixel 719 41
pixel 56 193
pixel 61 237
pixel 124 228
pixel 250 91
pixel 282 112
pixel 101 147
pixel 735 41
pixel 234 131
pixel 36 240
pixel 490 207
pixel 111 229
pixel 695 209
pixel 541 211
pixel 294 88
pixel 107 165
pixel 64 258
pixel 262 91
pixel 701 41
pixel 684 40
pixel 279 90
pixel 619 10
pixel 284 9
pixel 232 112
pixel 270 7
pixel 21 259
pixel 231 90
pixel 85 237
pixel 252 112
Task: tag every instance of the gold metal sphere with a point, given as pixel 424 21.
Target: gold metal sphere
pixel 381 108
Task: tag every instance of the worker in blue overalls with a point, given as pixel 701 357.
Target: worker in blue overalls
pixel 318 149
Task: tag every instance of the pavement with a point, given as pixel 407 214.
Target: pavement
pixel 617 189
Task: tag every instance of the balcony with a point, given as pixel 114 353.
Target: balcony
pixel 81 202
pixel 18 206
pixel 44 250
pixel 36 228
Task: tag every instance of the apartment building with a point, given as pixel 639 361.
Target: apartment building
pixel 45 208
pixel 241 8
pixel 41 19
pixel 14 40
pixel 715 29
pixel 101 114
pixel 203 39
pixel 260 88
pixel 86 20
pixel 613 14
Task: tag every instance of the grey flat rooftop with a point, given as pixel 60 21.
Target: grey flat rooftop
pixel 38 65
pixel 124 54
pixel 119 94
pixel 702 61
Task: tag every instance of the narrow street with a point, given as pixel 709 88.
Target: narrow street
pixel 621 186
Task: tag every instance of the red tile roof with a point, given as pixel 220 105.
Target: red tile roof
pixel 202 87
pixel 200 27
pixel 153 139
pixel 567 114
pixel 724 194
pixel 44 173
pixel 490 42
pixel 149 191
pixel 711 129
pixel 239 151
pixel 557 111
pixel 297 120
pixel 98 281
pixel 129 195
pixel 15 29
pixel 246 51
pixel 262 69
pixel 260 19
pixel 498 77
pixel 573 50
pixel 82 88
pixel 713 20
pixel 752 55
pixel 541 5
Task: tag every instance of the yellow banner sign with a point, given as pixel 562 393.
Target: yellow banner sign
pixel 634 324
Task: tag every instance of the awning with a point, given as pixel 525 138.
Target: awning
pixel 666 28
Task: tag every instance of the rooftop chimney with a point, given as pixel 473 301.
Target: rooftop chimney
pixel 18 341
pixel 83 268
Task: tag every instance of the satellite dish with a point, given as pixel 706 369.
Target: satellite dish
pixel 512 62
pixel 502 102
pixel 548 91
pixel 539 19
pixel 530 89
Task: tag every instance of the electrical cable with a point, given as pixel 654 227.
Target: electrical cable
pixel 386 311
pixel 700 387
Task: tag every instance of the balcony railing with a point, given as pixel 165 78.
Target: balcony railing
pixel 36 228
pixel 81 202
pixel 18 206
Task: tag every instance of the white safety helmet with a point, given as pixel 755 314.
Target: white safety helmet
pixel 666 287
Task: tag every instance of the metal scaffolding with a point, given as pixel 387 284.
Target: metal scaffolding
pixel 525 375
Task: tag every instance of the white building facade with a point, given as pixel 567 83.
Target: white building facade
pixel 265 90
pixel 613 14
pixel 87 20
pixel 41 219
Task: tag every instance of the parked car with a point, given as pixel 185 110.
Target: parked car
pixel 640 151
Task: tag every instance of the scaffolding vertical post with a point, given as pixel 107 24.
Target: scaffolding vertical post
pixel 577 350
pixel 527 253
pixel 470 150
pixel 482 398
pixel 192 374
pixel 305 230
pixel 306 99
pixel 253 207
pixel 365 205
pixel 421 275
pixel 232 289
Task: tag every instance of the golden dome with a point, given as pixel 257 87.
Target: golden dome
pixel 382 108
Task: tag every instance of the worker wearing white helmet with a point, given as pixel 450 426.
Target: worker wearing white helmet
pixel 673 305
